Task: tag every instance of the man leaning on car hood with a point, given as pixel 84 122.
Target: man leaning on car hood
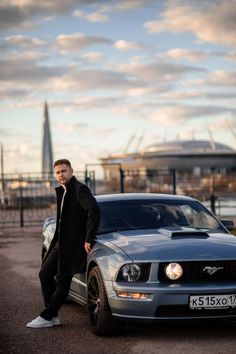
pixel 78 218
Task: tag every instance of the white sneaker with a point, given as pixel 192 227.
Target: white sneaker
pixel 39 322
pixel 56 321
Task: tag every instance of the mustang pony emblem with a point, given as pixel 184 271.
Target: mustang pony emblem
pixel 211 270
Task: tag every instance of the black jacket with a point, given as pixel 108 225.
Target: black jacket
pixel 79 223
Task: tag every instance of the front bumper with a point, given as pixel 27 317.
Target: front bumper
pixel 167 302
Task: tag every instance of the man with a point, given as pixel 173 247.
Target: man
pixel 77 223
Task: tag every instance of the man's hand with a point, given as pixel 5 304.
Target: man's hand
pixel 87 247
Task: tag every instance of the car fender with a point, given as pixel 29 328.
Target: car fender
pixel 109 259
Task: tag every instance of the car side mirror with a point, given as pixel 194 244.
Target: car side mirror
pixel 229 224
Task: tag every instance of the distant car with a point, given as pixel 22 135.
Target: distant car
pixel 157 258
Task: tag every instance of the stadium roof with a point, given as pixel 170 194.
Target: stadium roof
pixel 188 146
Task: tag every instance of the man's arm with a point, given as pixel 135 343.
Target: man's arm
pixel 89 203
pixel 87 246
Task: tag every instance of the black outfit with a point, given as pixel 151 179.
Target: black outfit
pixel 77 222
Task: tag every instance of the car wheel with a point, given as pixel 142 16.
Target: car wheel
pixel 99 314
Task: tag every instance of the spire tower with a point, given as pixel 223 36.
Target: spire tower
pixel 47 154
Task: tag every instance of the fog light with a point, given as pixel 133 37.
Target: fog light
pixel 123 294
pixel 137 296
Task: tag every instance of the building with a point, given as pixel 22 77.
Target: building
pixel 193 157
pixel 193 167
pixel 47 152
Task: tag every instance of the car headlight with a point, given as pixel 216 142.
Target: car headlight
pixel 174 271
pixel 132 272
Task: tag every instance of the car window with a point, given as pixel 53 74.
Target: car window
pixel 126 215
pixel 199 218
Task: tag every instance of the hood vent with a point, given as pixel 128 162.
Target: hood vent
pixel 200 234
pixel 183 233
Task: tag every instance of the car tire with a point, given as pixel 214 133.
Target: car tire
pixel 99 314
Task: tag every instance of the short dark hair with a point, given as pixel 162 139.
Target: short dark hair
pixel 62 162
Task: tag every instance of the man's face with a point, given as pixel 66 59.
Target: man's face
pixel 63 173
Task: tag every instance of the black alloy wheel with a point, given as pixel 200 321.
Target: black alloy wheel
pixel 99 314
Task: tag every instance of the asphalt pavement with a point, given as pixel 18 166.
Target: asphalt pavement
pixel 20 302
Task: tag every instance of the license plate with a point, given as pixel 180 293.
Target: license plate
pixel 212 301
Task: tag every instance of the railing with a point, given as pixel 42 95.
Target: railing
pixel 27 199
pixel 224 207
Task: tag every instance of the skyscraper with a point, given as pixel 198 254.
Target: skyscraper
pixel 47 154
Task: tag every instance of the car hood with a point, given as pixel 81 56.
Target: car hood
pixel 174 244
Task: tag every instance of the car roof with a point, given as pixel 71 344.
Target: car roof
pixel 139 196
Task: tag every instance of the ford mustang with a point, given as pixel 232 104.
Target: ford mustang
pixel 156 258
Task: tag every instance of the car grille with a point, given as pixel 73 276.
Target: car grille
pixel 204 271
pixel 184 311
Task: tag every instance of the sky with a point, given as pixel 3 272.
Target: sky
pixel 117 76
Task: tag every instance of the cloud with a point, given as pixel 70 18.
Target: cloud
pixel 196 55
pixel 71 128
pixel 209 21
pixel 197 95
pixel 124 5
pixel 143 91
pixel 222 78
pixel 218 79
pixel 93 80
pixel 224 123
pixel 11 46
pixel 231 56
pixel 172 115
pixel 11 93
pixel 28 72
pixel 91 17
pixel 23 14
pixel 106 8
pixel 158 71
pixel 92 57
pixel 88 103
pixel 25 70
pixel 124 45
pixel 77 41
pixel 24 41
pixel 191 55
pixel 16 14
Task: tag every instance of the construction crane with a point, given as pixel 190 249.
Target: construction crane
pixel 131 139
pixel 211 138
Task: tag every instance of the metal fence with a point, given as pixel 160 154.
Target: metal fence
pixel 130 181
pixel 27 199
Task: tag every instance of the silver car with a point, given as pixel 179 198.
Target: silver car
pixel 157 258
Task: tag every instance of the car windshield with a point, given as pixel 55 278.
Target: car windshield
pixel 139 214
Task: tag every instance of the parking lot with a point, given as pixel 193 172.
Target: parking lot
pixel 20 301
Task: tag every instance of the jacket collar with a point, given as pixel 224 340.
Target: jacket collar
pixel 68 185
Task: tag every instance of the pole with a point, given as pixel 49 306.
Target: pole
pixel 2 177
pixel 212 191
pixel 121 180
pixel 21 203
pixel 174 181
pixel 121 172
